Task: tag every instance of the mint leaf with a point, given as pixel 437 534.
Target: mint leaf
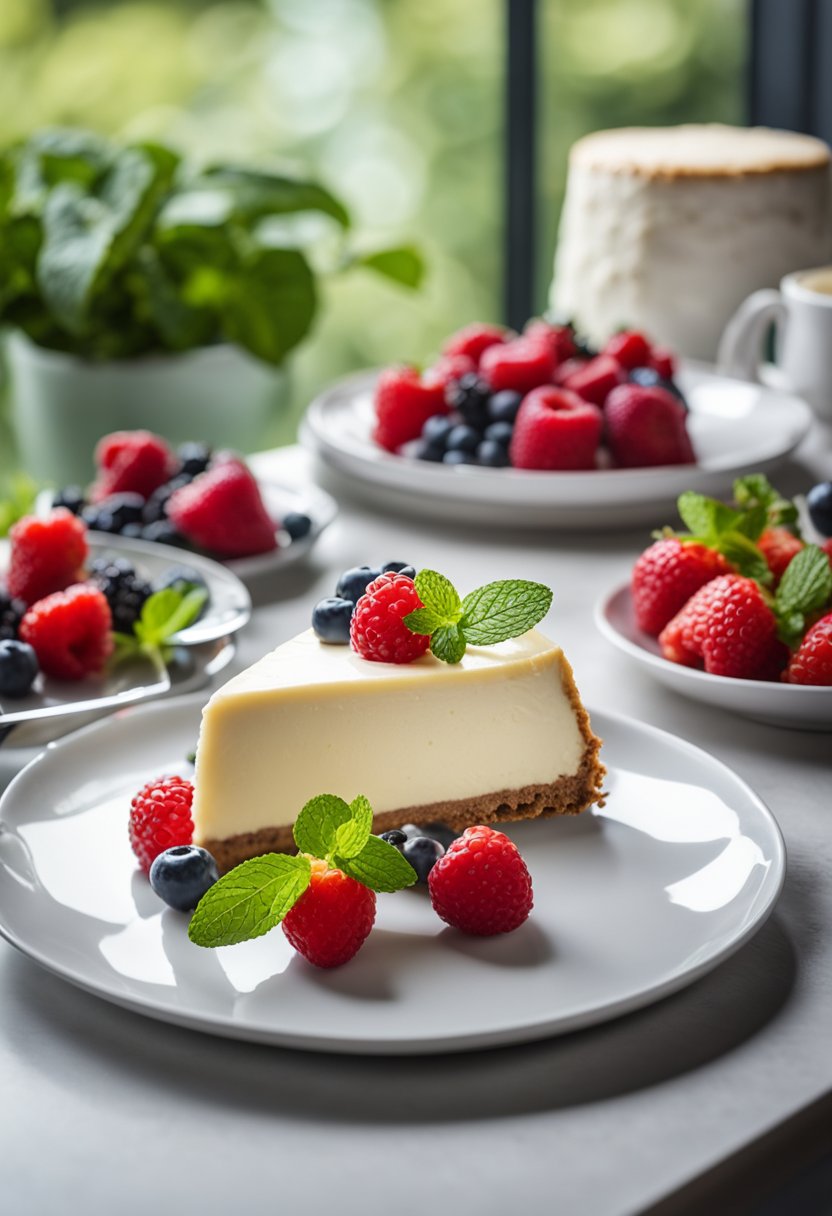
pixel 352 836
pixel 166 612
pixel 249 900
pixel 423 620
pixel 404 265
pixel 756 490
pixel 706 518
pixel 439 594
pixel 745 555
pixel 448 643
pixel 807 584
pixel 502 610
pixel 380 867
pixel 753 522
pixel 317 824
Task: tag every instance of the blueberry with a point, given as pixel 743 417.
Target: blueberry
pixel 71 497
pixel 354 582
pixel 648 377
pixel 297 525
pixel 394 837
pixel 459 458
pixel 469 396
pixel 181 876
pixel 162 532
pixel 18 668
pixel 819 504
pixel 503 406
pixel 98 519
pixel 492 455
pixel 441 832
pixel 423 853
pixel 132 531
pixel 426 451
pixel 331 619
pixel 500 432
pixel 436 431
pixel 195 458
pixel 463 439
pixel 399 568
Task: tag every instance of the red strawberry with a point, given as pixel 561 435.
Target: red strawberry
pixel 779 546
pixel 666 576
pixel 555 429
pixel 663 361
pixel 728 629
pixel 403 404
pixel 331 920
pixel 811 663
pixel 567 369
pixel 559 340
pixel 481 885
pixel 160 818
pixel 377 629
pixel 646 426
pixel 596 379
pixel 70 632
pixel 135 461
pixel 629 348
pixel 472 340
pixel 520 365
pixel 222 511
pixel 46 554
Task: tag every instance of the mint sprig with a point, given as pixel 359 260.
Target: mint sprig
pixel 805 588
pixel 163 614
pixel 255 896
pixel 730 532
pixel 491 614
pixel 756 491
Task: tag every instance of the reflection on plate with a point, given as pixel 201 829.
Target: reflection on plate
pixel 735 426
pixel 791 705
pixel 632 902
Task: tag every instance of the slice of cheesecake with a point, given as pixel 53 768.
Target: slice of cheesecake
pixel 500 736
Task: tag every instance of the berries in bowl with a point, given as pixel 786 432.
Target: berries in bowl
pixel 736 610
pixel 539 400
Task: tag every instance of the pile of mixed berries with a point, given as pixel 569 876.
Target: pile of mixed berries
pixel 332 617
pixel 59 610
pixel 193 498
pixel 477 881
pixel 542 399
pixel 743 593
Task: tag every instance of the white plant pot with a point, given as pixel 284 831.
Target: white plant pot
pixel 60 405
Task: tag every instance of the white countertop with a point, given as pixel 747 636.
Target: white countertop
pixel 133 1116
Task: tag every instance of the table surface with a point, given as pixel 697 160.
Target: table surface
pixel 695 1096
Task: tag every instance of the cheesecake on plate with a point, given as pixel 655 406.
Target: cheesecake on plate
pixel 500 736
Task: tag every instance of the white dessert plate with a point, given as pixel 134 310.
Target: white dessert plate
pixel 792 705
pixel 227 611
pixel 632 902
pixel 735 426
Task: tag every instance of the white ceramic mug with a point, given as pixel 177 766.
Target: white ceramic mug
pixel 801 312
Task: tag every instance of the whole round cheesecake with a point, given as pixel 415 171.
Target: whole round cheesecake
pixel 668 229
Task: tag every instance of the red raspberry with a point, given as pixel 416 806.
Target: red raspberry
pixel 520 365
pixel 331 920
pixel 811 663
pixel 46 554
pixel 596 379
pixel 629 348
pixel 160 818
pixel 222 511
pixel 448 368
pixel 559 340
pixel 377 629
pixel 481 885
pixel 555 429
pixel 663 361
pixel 474 339
pixel 666 576
pixel 70 632
pixel 779 546
pixel 646 426
pixel 135 461
pixel 403 404
pixel 727 628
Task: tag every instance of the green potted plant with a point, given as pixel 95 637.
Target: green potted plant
pixel 138 290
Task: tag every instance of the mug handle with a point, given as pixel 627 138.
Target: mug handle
pixel 741 346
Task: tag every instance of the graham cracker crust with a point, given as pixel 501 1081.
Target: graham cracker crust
pixel 568 795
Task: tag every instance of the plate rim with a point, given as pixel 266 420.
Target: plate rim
pixel 535 1030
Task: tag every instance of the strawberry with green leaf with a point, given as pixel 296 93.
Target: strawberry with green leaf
pixel 325 896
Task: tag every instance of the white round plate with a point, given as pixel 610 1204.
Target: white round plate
pixel 791 705
pixel 735 427
pixel 632 902
pixel 52 703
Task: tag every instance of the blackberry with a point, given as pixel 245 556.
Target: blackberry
pixel 11 614
pixel 122 509
pixel 195 458
pixel 71 497
pixel 469 397
pixel 156 507
pixel 162 532
pixel 123 589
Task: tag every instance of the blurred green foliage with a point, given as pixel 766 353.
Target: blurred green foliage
pixel 394 104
